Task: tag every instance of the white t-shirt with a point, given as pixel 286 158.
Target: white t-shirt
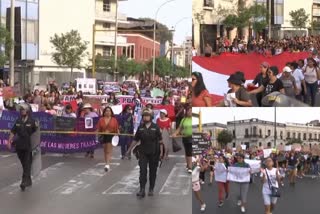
pixel 298 76
pixel 195 174
pixel 273 178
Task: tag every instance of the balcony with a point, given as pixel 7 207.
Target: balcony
pixel 316 1
pixel 106 16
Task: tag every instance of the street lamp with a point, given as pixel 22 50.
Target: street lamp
pixel 154 38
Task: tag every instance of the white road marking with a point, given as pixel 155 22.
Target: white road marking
pixel 5 156
pixel 15 187
pixel 127 185
pixel 178 181
pixel 83 180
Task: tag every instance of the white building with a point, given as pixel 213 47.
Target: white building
pixel 62 16
pixel 213 129
pixel 255 132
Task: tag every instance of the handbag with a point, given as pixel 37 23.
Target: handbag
pixel 275 192
pixel 175 146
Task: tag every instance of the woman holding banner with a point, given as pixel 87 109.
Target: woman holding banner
pixel 244 186
pixel 270 179
pixel 223 184
pixel 109 125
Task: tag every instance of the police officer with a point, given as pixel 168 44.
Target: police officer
pixel 22 130
pixel 150 139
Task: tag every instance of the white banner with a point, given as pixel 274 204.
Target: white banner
pixel 287 148
pixel 255 165
pixel 220 172
pixel 238 174
pixel 267 153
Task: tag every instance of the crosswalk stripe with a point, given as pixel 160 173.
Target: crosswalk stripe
pixel 83 180
pixel 178 181
pixel 15 187
pixel 127 185
pixel 5 156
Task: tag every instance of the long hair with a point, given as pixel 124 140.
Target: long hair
pixel 125 109
pixel 105 109
pixel 200 86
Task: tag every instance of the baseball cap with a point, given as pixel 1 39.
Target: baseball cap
pixel 287 69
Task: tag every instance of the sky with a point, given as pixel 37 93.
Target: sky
pixel 284 115
pixel 170 14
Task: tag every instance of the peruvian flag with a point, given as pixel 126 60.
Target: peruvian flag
pixel 216 70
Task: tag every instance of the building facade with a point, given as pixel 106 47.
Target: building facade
pixel 213 129
pixel 255 132
pixel 26 37
pixel 81 17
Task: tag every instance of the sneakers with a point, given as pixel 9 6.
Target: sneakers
pixel 220 204
pixel 243 210
pixel 202 182
pixel 189 171
pixel 150 193
pixel 203 207
pixel 239 203
pixel 106 167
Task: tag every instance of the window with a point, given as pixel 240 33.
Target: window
pixel 260 144
pixel 269 132
pixel 310 136
pixel 260 132
pixel 269 145
pixel 304 136
pixel 234 133
pixel 299 136
pixel 281 135
pixel 246 132
pixel 106 25
pixel 106 5
pixel 315 136
pixel 106 51
pixel 294 136
pixel 254 130
pixel 207 3
pixel 288 135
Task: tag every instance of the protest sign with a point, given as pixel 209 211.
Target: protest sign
pixel 64 124
pixel 200 143
pixel 243 147
pixel 267 153
pixel 255 165
pixel 117 109
pixel 238 174
pixel 220 172
pixel 156 92
pixel 287 148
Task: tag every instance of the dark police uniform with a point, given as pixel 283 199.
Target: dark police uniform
pixel 22 142
pixel 149 153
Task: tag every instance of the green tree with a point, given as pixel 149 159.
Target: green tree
pixel 179 71
pixel 224 137
pixel 259 13
pixel 230 22
pixel 126 67
pixel 299 18
pixel 5 45
pixel 294 141
pixel 70 50
pixel 163 66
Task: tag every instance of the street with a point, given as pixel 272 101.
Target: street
pixel 77 185
pixel 303 198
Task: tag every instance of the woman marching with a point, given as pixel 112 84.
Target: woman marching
pixel 109 125
pixel 223 186
pixel 164 124
pixel 126 127
pixel 196 187
pixel 270 180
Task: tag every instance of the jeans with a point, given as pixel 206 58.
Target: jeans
pixel 312 89
pixel 315 168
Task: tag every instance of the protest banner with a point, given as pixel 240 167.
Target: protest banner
pixel 267 152
pixel 200 143
pixel 255 165
pixel 287 148
pixel 64 124
pixel 238 174
pixel 220 172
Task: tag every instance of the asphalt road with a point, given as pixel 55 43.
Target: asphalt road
pixel 303 198
pixel 78 185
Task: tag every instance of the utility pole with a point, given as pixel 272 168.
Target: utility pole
pixel 116 46
pixel 11 65
pixel 275 126
pixel 270 17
